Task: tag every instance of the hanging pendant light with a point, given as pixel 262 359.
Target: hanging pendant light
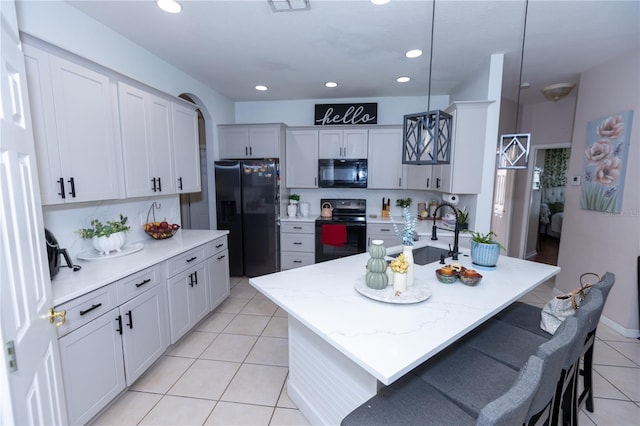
pixel 427 135
pixel 515 147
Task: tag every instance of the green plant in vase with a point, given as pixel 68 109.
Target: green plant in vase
pixel 99 229
pixel 485 250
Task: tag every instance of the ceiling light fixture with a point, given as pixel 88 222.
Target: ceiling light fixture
pixel 380 2
pixel 514 148
pixel 413 53
pixel 331 84
pixel 402 79
pixel 554 92
pixel 261 88
pixel 427 135
pixel 170 6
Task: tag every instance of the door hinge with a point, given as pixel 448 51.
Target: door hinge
pixel 11 356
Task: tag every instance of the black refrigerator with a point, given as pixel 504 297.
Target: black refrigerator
pixel 248 205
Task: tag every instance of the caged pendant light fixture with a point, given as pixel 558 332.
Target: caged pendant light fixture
pixel 427 135
pixel 514 147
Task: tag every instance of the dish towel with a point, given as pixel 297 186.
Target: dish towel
pixel 334 235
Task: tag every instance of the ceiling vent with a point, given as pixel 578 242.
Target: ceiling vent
pixel 289 5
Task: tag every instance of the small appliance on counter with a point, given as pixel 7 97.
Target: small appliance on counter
pixel 53 255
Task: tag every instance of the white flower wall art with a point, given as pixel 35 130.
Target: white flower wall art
pixel 605 162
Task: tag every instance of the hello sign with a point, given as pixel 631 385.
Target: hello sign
pixel 346 114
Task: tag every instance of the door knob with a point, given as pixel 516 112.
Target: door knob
pixel 57 314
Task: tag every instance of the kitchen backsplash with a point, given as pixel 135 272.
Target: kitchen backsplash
pixel 64 221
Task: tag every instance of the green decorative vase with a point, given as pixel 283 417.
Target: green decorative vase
pixel 376 276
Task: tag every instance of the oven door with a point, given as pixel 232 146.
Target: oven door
pixel 336 239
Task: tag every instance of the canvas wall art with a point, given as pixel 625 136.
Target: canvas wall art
pixel 605 163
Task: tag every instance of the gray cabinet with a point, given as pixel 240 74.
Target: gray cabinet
pixel 338 142
pixel 385 158
pixel 385 232
pixel 301 158
pixel 297 244
pixel 242 141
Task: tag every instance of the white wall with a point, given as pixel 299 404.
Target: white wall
pixel 66 27
pixel 596 241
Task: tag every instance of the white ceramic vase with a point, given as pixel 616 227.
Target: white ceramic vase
pixel 114 242
pixel 400 281
pixel 408 256
pixel 292 209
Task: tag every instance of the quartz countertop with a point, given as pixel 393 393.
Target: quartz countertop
pixel 388 340
pixel 68 285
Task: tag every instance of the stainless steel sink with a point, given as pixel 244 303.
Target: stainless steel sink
pixel 427 254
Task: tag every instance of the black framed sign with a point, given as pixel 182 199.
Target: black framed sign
pixel 346 114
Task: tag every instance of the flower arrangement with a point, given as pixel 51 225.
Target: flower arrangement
pixel 399 264
pixel 99 229
pixel 409 227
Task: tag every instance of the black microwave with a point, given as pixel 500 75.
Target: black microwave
pixel 342 173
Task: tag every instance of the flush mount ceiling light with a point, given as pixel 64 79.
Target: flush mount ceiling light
pixel 261 88
pixel 380 2
pixel 514 148
pixel 331 84
pixel 170 6
pixel 402 79
pixel 289 5
pixel 427 135
pixel 413 53
pixel 553 92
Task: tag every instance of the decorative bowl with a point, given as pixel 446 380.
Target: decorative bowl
pixel 470 277
pixel 161 230
pixel 446 279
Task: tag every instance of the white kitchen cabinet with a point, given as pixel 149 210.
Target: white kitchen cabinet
pixel 147 127
pixel 462 174
pixel 240 141
pixel 219 285
pixel 385 232
pixel 342 143
pixel 385 159
pixel 297 244
pixel 186 148
pixel 187 288
pixel 75 125
pixel 301 158
pixel 420 176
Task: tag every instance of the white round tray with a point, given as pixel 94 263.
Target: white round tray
pixel 416 293
pixel 96 255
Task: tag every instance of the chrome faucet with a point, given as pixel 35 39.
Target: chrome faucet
pixel 453 252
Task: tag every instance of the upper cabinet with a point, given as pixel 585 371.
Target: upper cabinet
pixel 75 125
pixel 186 153
pixel 301 158
pixel 337 143
pixel 385 158
pixel 462 174
pixel 241 141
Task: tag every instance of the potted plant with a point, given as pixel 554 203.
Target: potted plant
pixel 294 198
pixel 107 237
pixel 292 208
pixel 485 251
pixel 463 218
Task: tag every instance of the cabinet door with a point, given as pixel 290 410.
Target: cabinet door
pixel 92 367
pixel 355 143
pixel 420 176
pixel 186 149
pixel 188 301
pixel 385 159
pixel 302 159
pixel 442 177
pixel 234 142
pixel 145 334
pixel 161 135
pixel 198 293
pixel 84 108
pixel 330 143
pixel 219 288
pixel 264 142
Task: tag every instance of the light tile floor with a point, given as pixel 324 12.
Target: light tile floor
pixel 232 370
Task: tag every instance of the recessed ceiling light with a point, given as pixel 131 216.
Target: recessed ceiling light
pixel 380 2
pixel 402 79
pixel 413 53
pixel 331 84
pixel 261 88
pixel 170 6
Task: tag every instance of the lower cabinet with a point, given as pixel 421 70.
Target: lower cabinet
pixel 188 302
pixel 385 232
pixel 297 244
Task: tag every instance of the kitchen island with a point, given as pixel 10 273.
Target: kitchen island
pixel 343 345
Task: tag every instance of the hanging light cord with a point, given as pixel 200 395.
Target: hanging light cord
pixel 524 32
pixel 433 18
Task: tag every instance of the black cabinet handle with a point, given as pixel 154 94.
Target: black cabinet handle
pixel 246 151
pixel 219 245
pixel 154 184
pixel 130 325
pixel 190 280
pixel 148 280
pixel 385 229
pixel 180 183
pixel 192 259
pixel 297 227
pixel 297 261
pixel 195 277
pixel 72 182
pixel 61 193
pixel 86 311
pixel 159 185
pixel 437 183
pixel 119 319
pixel 250 151
pixel 221 257
pixel 428 182
pixel 297 244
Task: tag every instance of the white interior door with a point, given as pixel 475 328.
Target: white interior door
pixel 502 202
pixel 30 379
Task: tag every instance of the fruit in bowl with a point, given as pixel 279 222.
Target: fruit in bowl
pixel 161 230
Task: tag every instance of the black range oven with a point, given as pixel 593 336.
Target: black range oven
pixel 345 232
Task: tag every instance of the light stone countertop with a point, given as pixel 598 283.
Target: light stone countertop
pixel 68 285
pixel 388 340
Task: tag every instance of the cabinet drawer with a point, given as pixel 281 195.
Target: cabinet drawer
pixel 298 227
pixel 185 260
pixel 216 246
pixel 292 260
pixel 87 308
pixel 382 228
pixel 137 283
pixel 297 242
